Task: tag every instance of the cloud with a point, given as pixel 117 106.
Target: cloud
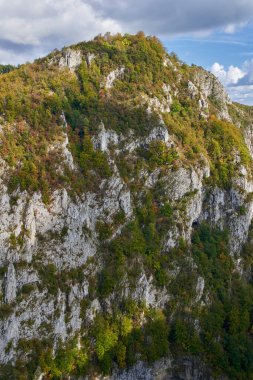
pixel 31 28
pixel 229 77
pixel 238 81
pixel 248 68
pixel 234 75
pixel 232 28
pixel 170 16
pixel 241 94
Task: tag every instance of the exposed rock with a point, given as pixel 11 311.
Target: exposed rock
pixel 25 324
pixel 71 59
pixel 115 74
pixel 93 310
pixel 154 104
pixel 159 134
pixel 104 138
pixel 184 181
pixel 90 57
pixel 193 91
pixel 61 147
pixel 76 294
pixel 167 62
pixel 10 290
pixel 186 368
pixel 146 292
pixel 166 88
pixel 66 153
pixel 60 328
pixel 26 276
pixel 200 288
pixel 167 92
pixel 221 209
pixel 212 89
pixel 203 107
pixel 187 184
pixel 248 136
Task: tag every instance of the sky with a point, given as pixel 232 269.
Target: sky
pixel 215 34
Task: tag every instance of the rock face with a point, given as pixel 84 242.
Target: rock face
pixel 210 87
pixel 105 138
pixel 223 209
pixel 71 59
pixel 118 73
pixel 167 369
pixel 64 234
pixel 248 135
pixel 154 104
pixel 10 284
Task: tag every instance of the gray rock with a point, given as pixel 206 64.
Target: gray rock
pixel 10 289
pixel 186 368
pixel 211 88
pixel 71 58
pixel 115 74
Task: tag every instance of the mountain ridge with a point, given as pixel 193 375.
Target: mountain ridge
pixel 126 207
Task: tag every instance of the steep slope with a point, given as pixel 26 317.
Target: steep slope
pixel 126 208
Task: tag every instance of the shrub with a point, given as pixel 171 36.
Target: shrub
pixel 5 310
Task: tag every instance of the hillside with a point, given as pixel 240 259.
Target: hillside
pixel 126 200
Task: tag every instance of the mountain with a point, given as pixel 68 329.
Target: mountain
pixel 126 201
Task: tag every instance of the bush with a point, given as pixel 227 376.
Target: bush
pixel 5 310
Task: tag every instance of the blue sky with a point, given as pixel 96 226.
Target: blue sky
pixel 215 34
pixel 228 50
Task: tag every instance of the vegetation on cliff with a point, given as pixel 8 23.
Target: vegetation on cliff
pixel 43 106
pixel 34 98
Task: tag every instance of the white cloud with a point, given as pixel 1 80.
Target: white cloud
pixel 227 77
pixel 232 28
pixel 28 27
pixel 238 81
pixel 181 16
pixel 7 56
pixel 248 68
pixel 241 94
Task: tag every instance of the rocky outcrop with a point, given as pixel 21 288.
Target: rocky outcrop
pixel 10 288
pixel 115 74
pixel 159 133
pixel 89 58
pixel 71 58
pixel 167 369
pixel 193 91
pixel 185 184
pixel 211 89
pixel 248 137
pixel 145 291
pixel 230 209
pixel 154 104
pixel 105 138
